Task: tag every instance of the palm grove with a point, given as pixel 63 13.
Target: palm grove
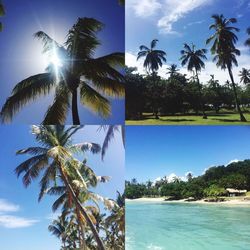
pixel 179 95
pixel 81 224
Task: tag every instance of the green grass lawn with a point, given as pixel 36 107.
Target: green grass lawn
pixel 212 119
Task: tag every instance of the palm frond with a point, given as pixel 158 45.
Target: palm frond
pixel 25 91
pixel 57 112
pixel 82 40
pixel 109 136
pixel 33 151
pixel 153 43
pixel 95 101
pixel 84 147
pixel 113 59
pixel 48 176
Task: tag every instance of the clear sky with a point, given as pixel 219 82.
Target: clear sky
pixel 157 151
pixel 21 54
pixel 19 207
pixel 176 22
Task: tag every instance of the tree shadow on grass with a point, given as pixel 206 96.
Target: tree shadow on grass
pixel 227 120
pixel 176 120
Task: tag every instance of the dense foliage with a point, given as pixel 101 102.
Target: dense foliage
pixel 178 95
pixel 212 183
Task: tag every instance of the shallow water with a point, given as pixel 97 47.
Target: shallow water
pixel 161 226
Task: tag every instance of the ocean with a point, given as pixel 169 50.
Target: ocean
pixel 164 226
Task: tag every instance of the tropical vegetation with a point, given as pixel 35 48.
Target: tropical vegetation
pixel 212 183
pixel 74 72
pixel 151 95
pixel 81 224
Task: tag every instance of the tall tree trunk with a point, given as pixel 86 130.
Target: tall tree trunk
pixel 82 210
pixel 242 117
pixel 204 116
pixel 75 115
pixel 155 106
pixel 81 231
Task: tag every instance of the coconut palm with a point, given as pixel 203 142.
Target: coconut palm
pixel 54 160
pixel 2 13
pixel 78 72
pixel 153 58
pixel 193 58
pixel 245 76
pixel 172 70
pixel 176 179
pixel 65 229
pixel 116 222
pixel 189 176
pixel 223 48
pixel 247 42
pixel 83 195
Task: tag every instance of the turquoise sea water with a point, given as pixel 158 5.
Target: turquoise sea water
pixel 159 226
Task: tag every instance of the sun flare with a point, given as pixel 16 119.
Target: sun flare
pixel 55 60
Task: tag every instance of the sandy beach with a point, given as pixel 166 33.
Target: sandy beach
pixel 232 201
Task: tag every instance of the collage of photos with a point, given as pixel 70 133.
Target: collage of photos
pixel 125 125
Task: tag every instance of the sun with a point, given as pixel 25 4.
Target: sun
pixel 55 60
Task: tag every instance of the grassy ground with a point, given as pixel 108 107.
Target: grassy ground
pixel 212 119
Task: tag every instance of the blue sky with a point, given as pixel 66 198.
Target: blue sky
pixel 24 221
pixel 157 151
pixel 176 22
pixel 21 54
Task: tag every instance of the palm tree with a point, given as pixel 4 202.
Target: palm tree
pixel 224 51
pixel 83 195
pixel 245 76
pixel 78 73
pixel 189 176
pixel 172 70
pixel 194 59
pixel 176 179
pixel 153 60
pixel 2 13
pixel 54 160
pixel 116 222
pixel 247 42
pixel 66 230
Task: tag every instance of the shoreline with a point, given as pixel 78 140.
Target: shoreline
pixel 239 201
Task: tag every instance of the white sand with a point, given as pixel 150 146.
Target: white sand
pixel 234 201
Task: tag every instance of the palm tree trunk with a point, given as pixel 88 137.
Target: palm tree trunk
pixel 82 210
pixel 155 106
pixel 204 116
pixel 81 231
pixel 75 115
pixel 242 117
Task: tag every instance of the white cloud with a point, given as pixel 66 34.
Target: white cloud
pixel 232 161
pixel 144 8
pixel 6 206
pixel 10 221
pixel 211 68
pixel 175 10
pixel 168 11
